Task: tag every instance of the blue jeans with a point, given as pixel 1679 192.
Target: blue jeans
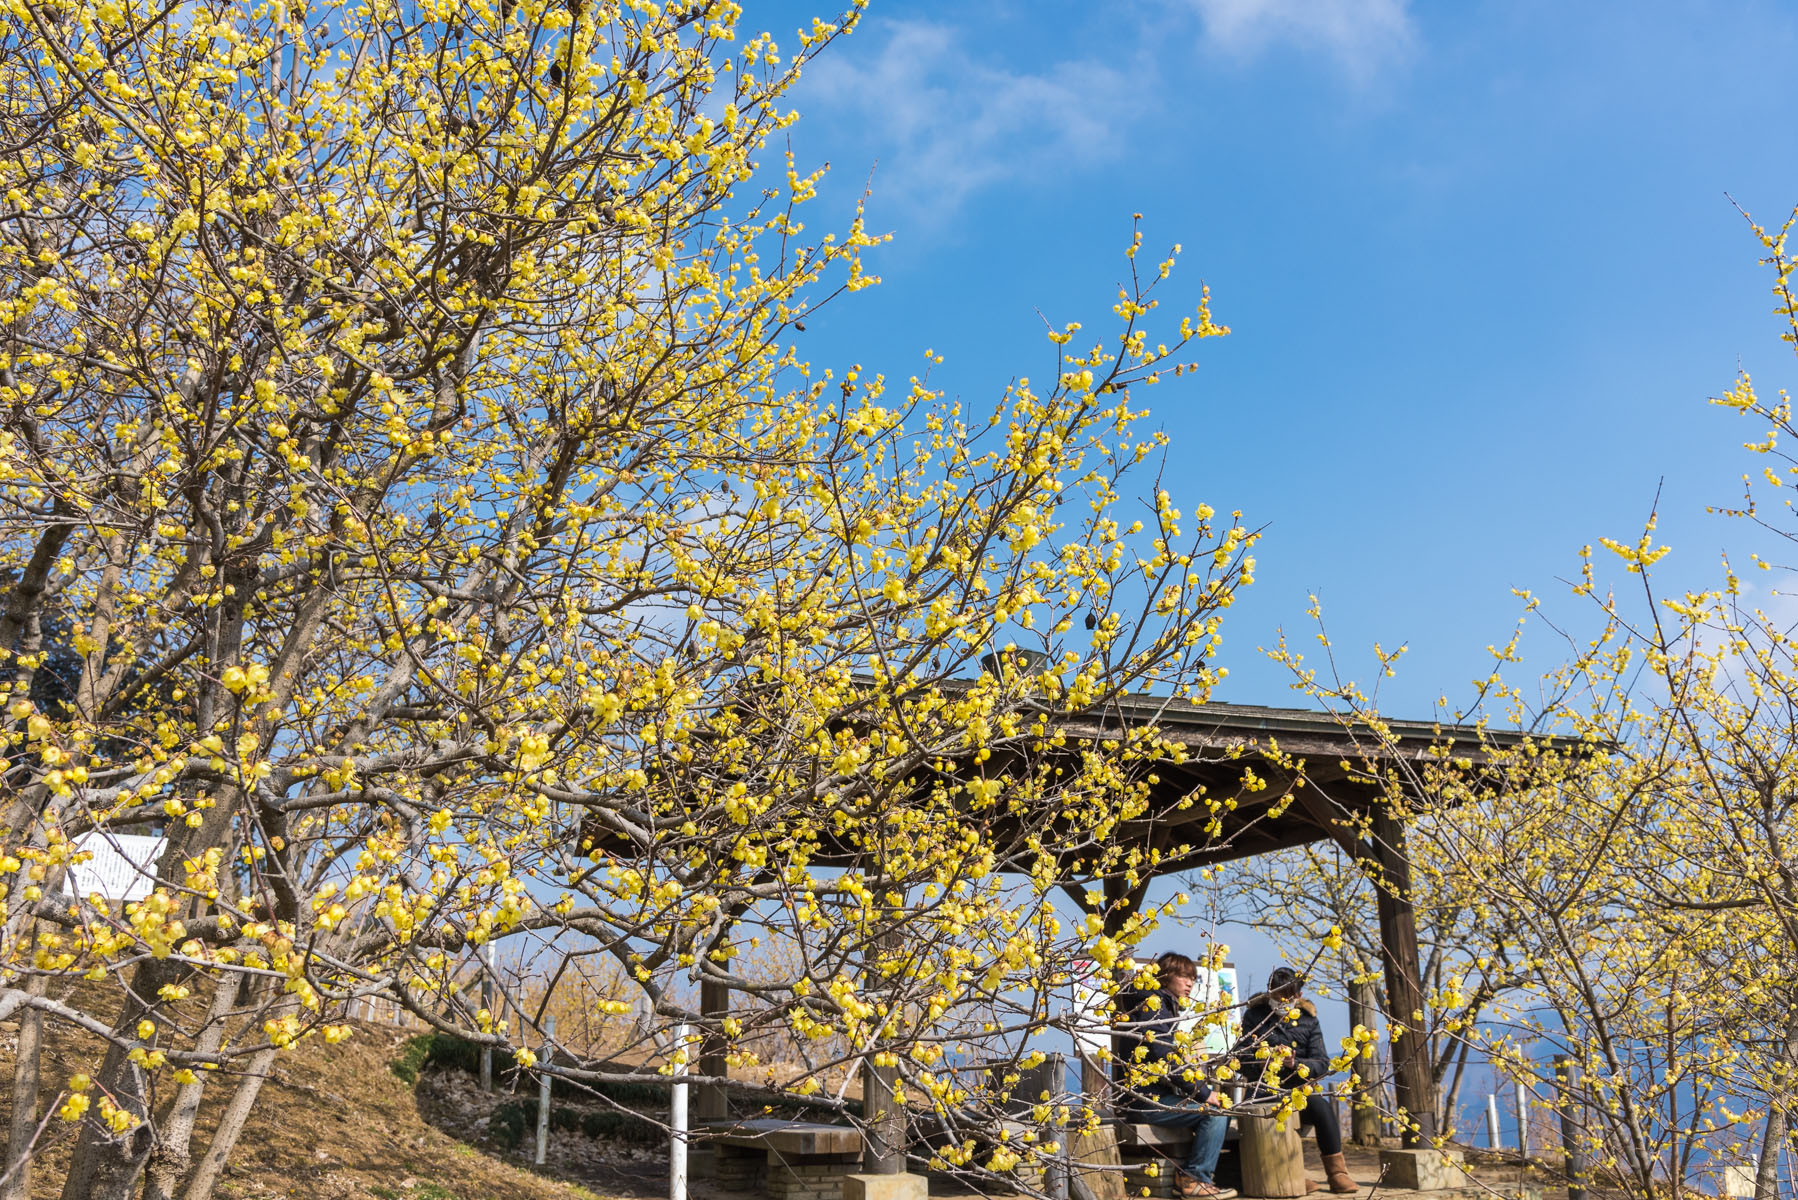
pixel 1208 1127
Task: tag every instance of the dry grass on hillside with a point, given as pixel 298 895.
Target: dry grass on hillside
pixel 334 1123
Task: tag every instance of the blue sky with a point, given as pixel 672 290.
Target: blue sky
pixel 1478 260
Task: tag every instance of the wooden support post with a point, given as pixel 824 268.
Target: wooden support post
pixel 1121 900
pixel 1095 1084
pixel 883 1152
pixel 883 1146
pixel 1571 1100
pixel 1114 909
pixel 1413 1083
pixel 712 1101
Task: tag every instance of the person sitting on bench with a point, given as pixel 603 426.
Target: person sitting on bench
pixel 1282 1020
pixel 1171 1093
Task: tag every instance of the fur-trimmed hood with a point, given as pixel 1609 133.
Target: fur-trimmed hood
pixel 1265 1024
pixel 1262 999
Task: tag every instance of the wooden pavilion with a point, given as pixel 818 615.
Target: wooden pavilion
pixel 1322 777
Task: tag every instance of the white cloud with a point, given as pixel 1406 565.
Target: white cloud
pixel 1363 36
pixel 944 123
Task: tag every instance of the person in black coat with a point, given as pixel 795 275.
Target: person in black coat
pixel 1168 1090
pixel 1284 1023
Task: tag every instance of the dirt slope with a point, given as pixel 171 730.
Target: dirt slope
pixel 333 1124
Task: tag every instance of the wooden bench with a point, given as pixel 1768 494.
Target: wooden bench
pixel 1164 1138
pixel 789 1160
pixel 1257 1158
pixel 1152 1152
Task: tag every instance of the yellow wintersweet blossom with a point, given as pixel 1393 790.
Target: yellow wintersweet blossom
pixel 420 505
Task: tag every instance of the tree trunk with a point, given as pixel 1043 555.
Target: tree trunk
pixel 26 1066
pixel 105 1167
pixel 1773 1136
pixel 24 1096
pixel 205 1175
pixel 171 1159
pixel 1445 1115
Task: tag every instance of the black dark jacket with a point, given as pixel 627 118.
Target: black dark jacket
pixel 1265 1023
pixel 1152 1028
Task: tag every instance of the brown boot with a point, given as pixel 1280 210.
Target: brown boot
pixel 1336 1167
pixel 1311 1185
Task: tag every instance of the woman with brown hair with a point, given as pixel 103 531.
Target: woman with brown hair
pixel 1171 1091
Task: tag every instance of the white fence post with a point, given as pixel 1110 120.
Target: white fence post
pixel 677 1122
pixel 549 1053
pixel 486 958
pixel 1060 1169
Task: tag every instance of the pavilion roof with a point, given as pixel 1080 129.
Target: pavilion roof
pixel 1340 756
pixel 1297 730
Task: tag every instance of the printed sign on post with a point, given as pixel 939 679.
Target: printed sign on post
pixel 121 868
